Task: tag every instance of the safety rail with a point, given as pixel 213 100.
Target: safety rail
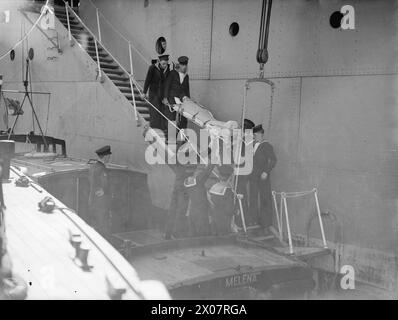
pixel 99 14
pixel 148 132
pixel 283 209
pixel 96 42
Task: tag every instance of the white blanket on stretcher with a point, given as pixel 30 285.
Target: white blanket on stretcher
pixel 218 130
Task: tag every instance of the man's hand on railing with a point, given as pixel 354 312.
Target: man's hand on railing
pixel 144 96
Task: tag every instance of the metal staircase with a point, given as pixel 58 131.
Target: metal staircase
pixel 107 64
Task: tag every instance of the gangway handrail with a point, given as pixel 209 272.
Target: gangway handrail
pixel 118 32
pixel 109 53
pixel 132 80
pixel 283 209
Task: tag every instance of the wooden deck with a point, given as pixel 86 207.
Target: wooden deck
pixel 39 247
pixel 220 262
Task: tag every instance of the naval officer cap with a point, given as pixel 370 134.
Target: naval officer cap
pixel 103 151
pixel 248 124
pixel 258 128
pixel 183 60
pixel 164 57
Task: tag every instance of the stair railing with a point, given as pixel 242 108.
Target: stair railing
pixel 133 82
pixel 98 41
pixel 67 18
pixel 98 24
pixel 116 31
pixel 68 10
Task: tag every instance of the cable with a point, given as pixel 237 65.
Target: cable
pixel 48 114
pixel 43 12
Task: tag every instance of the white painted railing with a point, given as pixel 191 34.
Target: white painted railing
pixel 282 212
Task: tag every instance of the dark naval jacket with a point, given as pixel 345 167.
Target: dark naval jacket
pixel 154 81
pixel 264 159
pixel 174 88
pixel 98 179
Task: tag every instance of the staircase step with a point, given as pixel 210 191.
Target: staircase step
pixel 113 70
pixel 94 53
pixel 88 43
pixel 127 90
pixel 125 84
pixel 107 66
pixel 91 47
pixel 142 110
pixel 74 28
pixel 102 60
pixel 142 104
pixel 117 77
pixel 81 33
pixel 137 97
pixel 62 15
pixel 71 22
pixel 84 36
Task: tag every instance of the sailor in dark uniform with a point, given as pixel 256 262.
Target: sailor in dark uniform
pixel 99 196
pixel 154 82
pixel 177 220
pixel 199 208
pixel 260 200
pixel 177 85
pixel 243 179
pixel 221 198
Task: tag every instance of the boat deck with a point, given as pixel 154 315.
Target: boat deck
pixel 39 165
pixel 193 262
pixel 41 253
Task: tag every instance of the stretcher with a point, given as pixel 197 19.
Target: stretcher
pixel 199 115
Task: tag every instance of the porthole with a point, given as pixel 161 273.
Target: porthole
pixel 12 55
pixel 161 45
pixel 234 29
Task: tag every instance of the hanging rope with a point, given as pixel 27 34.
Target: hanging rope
pixel 43 12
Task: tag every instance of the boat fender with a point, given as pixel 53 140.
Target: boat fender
pixel 22 182
pixel 46 205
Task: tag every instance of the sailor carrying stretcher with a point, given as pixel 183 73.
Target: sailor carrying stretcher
pixel 154 89
pixel 260 197
pixel 221 199
pixel 177 86
pixel 198 206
